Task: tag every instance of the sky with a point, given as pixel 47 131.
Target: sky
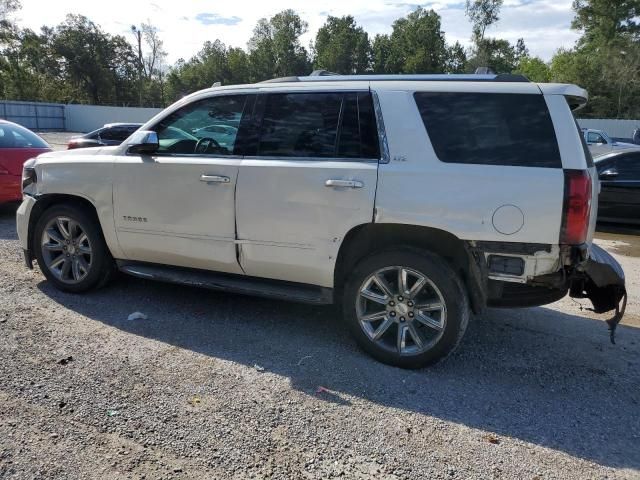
pixel 185 25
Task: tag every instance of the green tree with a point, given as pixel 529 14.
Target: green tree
pixel 342 47
pixel 7 8
pixel 534 68
pixel 417 44
pixel 482 14
pixel 497 54
pixel 606 59
pixel 275 49
pixel 380 54
pixel 456 61
pixel 213 63
pixel 98 68
pixel 605 21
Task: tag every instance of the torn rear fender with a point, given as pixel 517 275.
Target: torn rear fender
pixel 600 278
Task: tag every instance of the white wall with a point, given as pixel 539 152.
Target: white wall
pixel 85 118
pixel 613 128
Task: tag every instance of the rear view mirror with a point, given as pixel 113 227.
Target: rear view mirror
pixel 143 141
pixel 608 174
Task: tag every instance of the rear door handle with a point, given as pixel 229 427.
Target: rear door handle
pixel 214 179
pixel 344 183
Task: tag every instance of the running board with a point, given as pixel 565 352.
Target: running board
pixel 261 287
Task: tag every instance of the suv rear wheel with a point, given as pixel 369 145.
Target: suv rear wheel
pixel 70 249
pixel 406 308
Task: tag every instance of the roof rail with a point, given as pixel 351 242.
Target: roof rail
pixel 322 73
pixel 438 77
pixel 281 80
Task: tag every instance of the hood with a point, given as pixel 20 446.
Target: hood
pixel 78 154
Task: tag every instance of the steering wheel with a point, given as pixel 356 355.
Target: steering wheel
pixel 204 144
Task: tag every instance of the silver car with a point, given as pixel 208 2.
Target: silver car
pixel 600 143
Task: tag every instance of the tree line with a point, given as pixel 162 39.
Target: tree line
pixel 78 62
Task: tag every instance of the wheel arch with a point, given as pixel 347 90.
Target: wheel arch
pixel 366 239
pixel 48 200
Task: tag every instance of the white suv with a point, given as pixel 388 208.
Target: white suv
pixel 409 200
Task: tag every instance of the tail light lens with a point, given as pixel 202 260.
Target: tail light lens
pixel 577 207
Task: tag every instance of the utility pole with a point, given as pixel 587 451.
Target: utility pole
pixel 138 34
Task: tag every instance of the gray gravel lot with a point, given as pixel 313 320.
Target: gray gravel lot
pixel 214 385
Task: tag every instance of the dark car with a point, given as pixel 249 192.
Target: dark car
pixel 110 134
pixel 619 199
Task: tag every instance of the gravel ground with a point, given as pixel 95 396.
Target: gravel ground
pixel 215 385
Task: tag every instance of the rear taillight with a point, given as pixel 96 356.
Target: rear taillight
pixel 577 207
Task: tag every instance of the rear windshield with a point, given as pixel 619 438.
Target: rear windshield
pixel 490 128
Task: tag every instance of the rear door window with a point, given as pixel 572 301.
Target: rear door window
pixel 490 128
pixel 317 125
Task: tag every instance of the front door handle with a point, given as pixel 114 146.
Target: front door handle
pixel 344 183
pixel 214 179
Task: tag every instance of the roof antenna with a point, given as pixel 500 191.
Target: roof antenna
pixel 216 84
pixel 484 71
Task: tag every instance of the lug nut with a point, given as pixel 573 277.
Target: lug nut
pixel 400 299
pixel 402 319
pixel 410 314
pixel 392 303
pixel 393 314
pixel 410 303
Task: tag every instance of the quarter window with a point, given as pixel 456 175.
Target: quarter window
pixel 318 125
pixel 490 128
pixel 204 127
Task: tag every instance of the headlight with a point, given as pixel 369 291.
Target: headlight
pixel 28 175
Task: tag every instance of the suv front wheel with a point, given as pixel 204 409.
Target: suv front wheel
pixel 70 249
pixel 406 308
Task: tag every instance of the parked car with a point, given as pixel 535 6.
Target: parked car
pixel 619 199
pixel 17 145
pixel 600 143
pixel 409 200
pixel 110 134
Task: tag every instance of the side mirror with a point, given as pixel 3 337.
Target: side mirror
pixel 608 174
pixel 143 141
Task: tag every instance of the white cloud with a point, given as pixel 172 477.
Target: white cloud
pixel 186 25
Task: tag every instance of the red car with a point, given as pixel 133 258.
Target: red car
pixel 17 145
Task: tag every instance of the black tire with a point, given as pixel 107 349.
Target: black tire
pixel 448 286
pixel 101 267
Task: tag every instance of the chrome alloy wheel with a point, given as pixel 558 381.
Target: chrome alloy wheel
pixel 66 250
pixel 401 310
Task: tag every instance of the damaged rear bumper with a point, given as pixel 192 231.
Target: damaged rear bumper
pixel 600 278
pixel 513 275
